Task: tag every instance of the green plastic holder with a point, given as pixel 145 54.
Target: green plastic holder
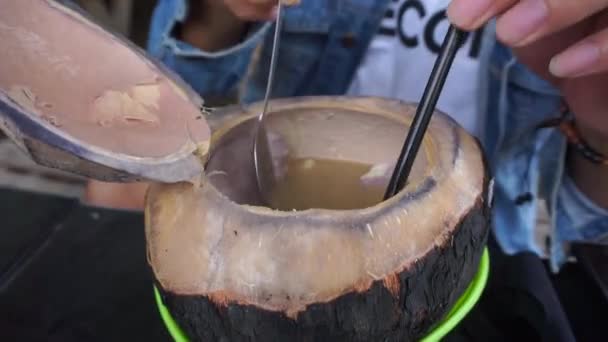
pixel 461 308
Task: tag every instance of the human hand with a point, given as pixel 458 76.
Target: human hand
pixel 575 32
pixel 564 42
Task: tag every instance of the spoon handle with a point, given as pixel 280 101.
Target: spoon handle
pixel 273 59
pixel 425 110
pixel 262 157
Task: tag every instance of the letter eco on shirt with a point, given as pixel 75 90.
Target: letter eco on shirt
pixel 401 56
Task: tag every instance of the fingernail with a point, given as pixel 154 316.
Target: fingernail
pixel 465 13
pixel 522 21
pixel 575 60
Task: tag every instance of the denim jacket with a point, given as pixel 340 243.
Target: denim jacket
pixel 323 43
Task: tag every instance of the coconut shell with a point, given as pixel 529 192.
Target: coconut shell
pixel 80 98
pixel 232 270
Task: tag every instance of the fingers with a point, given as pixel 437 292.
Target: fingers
pixel 253 10
pixel 472 14
pixel 583 58
pixel 530 20
pixel 521 22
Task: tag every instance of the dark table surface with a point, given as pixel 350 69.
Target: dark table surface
pixel 74 273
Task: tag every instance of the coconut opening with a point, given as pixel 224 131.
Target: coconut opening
pixel 333 159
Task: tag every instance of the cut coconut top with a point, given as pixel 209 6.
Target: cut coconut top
pixel 211 241
pixel 92 100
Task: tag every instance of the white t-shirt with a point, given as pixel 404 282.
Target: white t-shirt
pixel 400 58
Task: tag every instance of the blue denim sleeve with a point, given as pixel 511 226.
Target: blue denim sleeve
pixel 209 73
pixel 529 166
pixel 577 219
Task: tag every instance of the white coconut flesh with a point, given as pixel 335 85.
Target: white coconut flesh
pixel 208 241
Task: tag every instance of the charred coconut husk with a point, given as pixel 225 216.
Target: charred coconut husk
pixel 232 270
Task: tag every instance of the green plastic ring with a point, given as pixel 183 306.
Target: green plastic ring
pixel 461 308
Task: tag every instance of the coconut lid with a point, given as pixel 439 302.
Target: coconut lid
pixel 76 97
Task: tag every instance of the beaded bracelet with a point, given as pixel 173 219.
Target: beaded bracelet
pixel 567 126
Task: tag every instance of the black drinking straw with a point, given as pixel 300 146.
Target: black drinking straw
pixel 425 110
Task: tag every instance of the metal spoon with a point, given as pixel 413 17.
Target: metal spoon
pixel 262 158
pixel 425 110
